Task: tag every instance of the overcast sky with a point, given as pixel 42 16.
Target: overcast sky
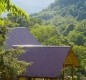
pixel 32 6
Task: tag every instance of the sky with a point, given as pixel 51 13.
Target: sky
pixel 33 6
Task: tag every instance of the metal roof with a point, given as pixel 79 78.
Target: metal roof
pixel 47 61
pixel 27 46
pixel 20 35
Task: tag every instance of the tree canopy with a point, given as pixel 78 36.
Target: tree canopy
pixel 8 6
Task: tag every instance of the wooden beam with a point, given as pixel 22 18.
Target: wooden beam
pixel 72 70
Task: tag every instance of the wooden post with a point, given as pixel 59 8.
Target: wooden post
pixel 29 78
pixel 72 72
pixel 63 75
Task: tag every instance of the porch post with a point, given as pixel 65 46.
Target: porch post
pixel 63 77
pixel 29 78
pixel 72 72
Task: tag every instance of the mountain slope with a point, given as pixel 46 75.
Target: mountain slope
pixel 75 8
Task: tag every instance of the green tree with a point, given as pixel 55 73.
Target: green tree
pixel 76 37
pixel 21 21
pixel 80 52
pixel 10 24
pixel 68 29
pixel 6 5
pixel 81 26
pixel 10 66
pixel 46 34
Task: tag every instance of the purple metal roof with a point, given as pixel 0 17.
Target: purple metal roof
pixel 20 36
pixel 47 61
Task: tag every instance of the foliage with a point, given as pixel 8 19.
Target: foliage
pixel 17 19
pixel 75 8
pixel 2 33
pixel 81 54
pixel 76 38
pixel 10 66
pixel 6 5
pixel 9 23
pixel 45 34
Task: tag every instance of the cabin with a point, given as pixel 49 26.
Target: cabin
pixel 48 62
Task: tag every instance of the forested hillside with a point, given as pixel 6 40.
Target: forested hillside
pixel 75 8
pixel 68 17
